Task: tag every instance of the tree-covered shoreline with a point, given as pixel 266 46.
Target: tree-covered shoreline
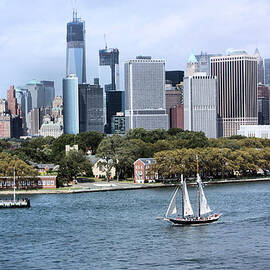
pixel 175 151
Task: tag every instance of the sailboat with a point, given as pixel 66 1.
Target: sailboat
pixel 188 217
pixel 21 203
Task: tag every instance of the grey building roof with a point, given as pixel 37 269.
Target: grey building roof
pixel 95 159
pixel 147 161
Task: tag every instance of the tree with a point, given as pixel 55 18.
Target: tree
pixel 10 162
pixel 58 147
pixel 73 164
pixel 108 151
pixel 151 136
pixel 36 150
pixel 89 141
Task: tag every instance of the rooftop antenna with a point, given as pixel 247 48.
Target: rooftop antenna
pixel 75 14
pixel 105 41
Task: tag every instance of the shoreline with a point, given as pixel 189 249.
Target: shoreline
pixel 118 186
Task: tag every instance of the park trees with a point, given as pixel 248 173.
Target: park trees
pixel 73 164
pixel 10 162
pixel 36 150
pixel 89 140
pixel 108 150
pixel 216 162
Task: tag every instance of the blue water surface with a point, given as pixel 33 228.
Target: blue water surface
pixel 119 230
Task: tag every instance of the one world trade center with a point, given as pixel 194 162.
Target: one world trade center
pixel 76 63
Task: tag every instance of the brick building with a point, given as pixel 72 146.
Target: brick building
pixel 29 183
pixel 176 115
pixel 12 101
pixel 141 170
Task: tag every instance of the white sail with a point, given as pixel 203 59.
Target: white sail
pixel 188 211
pixel 172 206
pixel 204 207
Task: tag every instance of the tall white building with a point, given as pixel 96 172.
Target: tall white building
pixel 145 94
pixel 237 90
pixel 200 104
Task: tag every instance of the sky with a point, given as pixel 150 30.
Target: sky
pixel 33 33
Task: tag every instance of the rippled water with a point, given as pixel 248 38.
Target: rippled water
pixel 119 230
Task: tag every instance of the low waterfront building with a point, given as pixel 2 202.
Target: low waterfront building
pixel 38 182
pixel 142 170
pixel 257 131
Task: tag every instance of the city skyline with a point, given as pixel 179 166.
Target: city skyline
pixel 33 47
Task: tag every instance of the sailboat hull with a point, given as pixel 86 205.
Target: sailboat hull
pixel 194 221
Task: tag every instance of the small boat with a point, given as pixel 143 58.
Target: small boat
pixel 187 217
pixel 21 203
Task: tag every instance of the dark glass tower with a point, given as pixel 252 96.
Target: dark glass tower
pixel 91 107
pixel 114 97
pixel 75 59
pixel 110 57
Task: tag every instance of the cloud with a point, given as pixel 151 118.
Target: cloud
pixel 32 34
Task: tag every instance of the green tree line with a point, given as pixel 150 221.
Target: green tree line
pixel 122 151
pixel 215 162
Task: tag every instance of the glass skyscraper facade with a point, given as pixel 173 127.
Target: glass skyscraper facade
pixel 91 108
pixel 76 56
pixel 71 104
pixel 145 94
pixel 267 71
pixel 237 91
pixel 112 96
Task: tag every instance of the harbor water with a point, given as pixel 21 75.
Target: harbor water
pixel 119 230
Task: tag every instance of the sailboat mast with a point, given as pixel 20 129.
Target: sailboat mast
pixel 182 179
pixel 14 185
pixel 198 189
pixel 199 199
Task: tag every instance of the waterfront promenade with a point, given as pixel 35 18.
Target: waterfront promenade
pixel 114 185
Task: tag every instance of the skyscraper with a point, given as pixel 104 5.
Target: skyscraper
pixel 174 77
pixel 260 66
pixel 12 101
pixel 91 112
pixel 200 104
pixel 25 102
pixel 76 55
pixel 204 61
pixel 112 96
pixel 36 89
pixel 192 65
pixel 110 57
pixel 267 71
pixel 145 94
pixel 237 90
pixel 174 107
pixel 49 92
pixel 71 104
pixel 263 104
